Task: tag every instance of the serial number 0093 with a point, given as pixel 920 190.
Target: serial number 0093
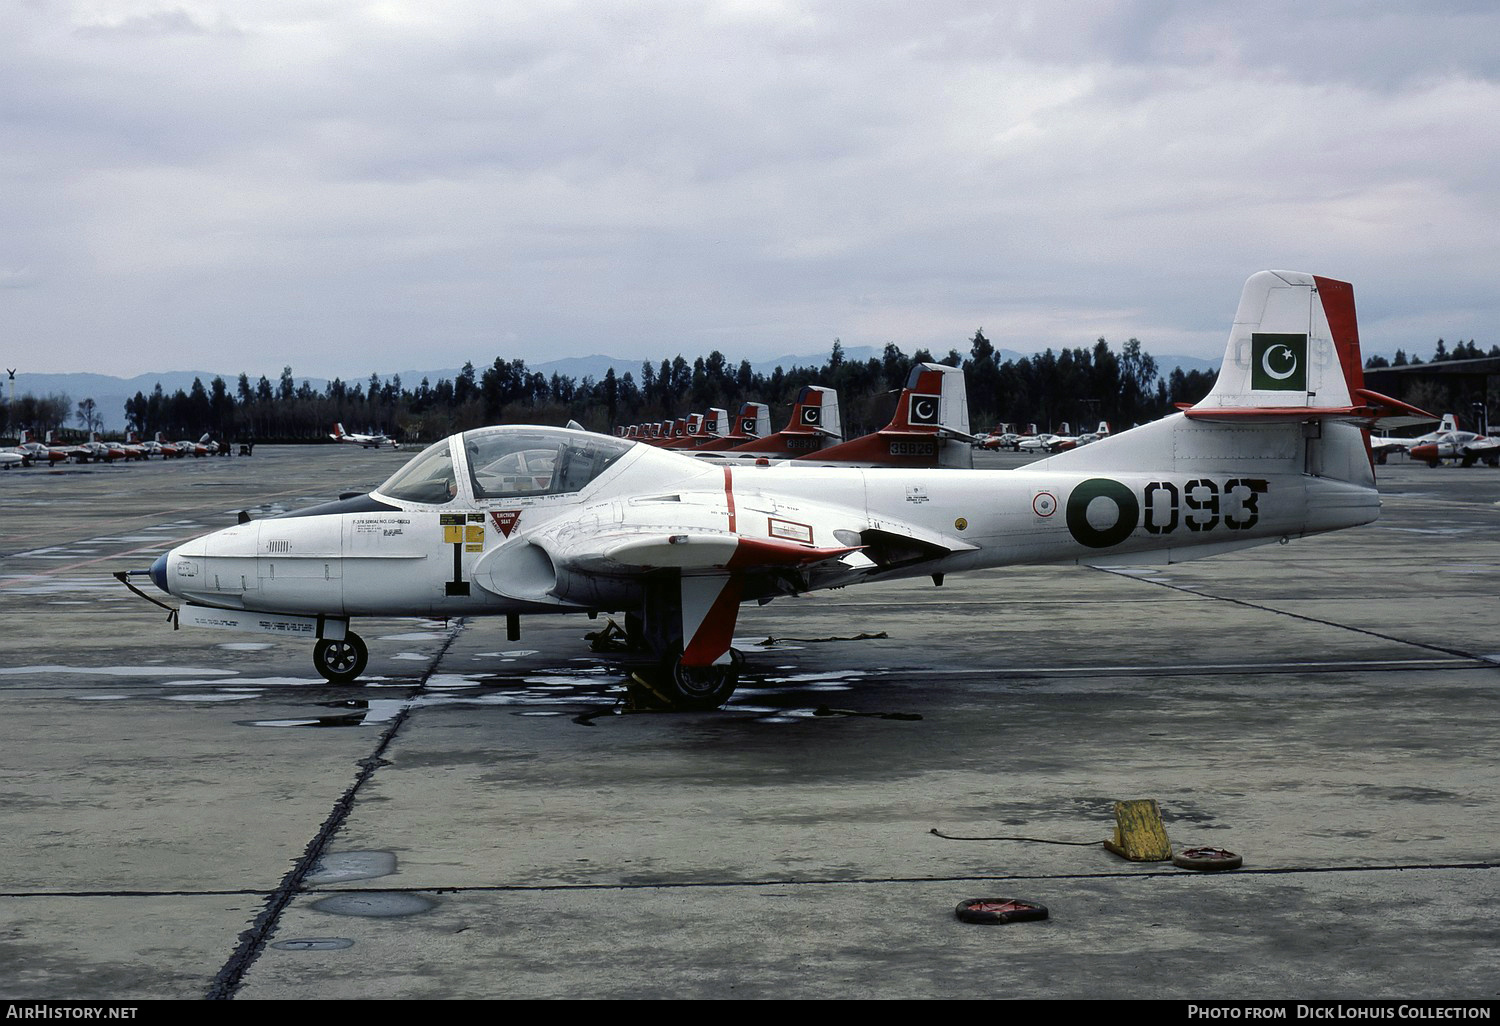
pixel 1201 504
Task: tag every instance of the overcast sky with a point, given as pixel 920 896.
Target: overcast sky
pixel 349 187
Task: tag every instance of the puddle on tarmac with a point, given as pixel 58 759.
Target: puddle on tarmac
pixel 341 867
pixel 40 585
pixel 218 697
pixel 375 904
pixel 120 671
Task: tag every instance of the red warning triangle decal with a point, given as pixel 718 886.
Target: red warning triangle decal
pixel 505 520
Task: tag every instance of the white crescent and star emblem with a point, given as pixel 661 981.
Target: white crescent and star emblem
pixel 925 411
pixel 1271 372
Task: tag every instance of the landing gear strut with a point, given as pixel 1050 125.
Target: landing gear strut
pixel 340 662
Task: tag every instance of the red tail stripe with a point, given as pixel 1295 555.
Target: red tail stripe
pixel 1338 307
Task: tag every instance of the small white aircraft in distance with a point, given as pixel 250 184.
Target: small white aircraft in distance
pixel 518 520
pixel 1382 446
pixel 367 441
pixel 1451 442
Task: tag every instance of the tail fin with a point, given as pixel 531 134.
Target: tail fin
pixel 934 401
pixel 930 427
pixel 754 420
pixel 1294 345
pixel 814 423
pixel 1290 395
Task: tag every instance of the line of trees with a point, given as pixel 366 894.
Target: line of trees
pixel 1075 385
pixel 1080 386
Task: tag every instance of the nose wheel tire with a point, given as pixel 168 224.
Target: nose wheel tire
pixel 701 687
pixel 340 662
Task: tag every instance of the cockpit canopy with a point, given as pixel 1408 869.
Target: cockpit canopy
pixel 505 462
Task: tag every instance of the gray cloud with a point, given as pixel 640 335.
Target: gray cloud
pixel 356 187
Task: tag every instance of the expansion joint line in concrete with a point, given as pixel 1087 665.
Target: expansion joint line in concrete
pixel 253 940
pixel 1121 874
pixel 1167 871
pixel 1297 616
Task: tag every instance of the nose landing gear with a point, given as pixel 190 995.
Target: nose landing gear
pixel 340 662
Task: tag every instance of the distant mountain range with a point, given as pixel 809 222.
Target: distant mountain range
pixel 110 393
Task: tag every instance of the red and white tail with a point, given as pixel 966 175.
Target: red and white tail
pixel 813 425
pixel 934 401
pixel 1290 395
pixel 754 420
pixel 930 427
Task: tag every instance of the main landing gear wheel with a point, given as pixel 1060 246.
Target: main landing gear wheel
pixel 700 687
pixel 340 662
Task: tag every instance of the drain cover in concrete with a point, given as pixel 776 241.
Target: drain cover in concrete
pixel 314 944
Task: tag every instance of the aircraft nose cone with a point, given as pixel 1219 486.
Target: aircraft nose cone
pixel 159 572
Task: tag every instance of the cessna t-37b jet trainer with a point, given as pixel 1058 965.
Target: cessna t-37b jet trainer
pixel 520 520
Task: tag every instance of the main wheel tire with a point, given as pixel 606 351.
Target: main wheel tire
pixel 700 687
pixel 340 662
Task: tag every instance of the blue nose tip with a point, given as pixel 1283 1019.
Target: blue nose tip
pixel 159 572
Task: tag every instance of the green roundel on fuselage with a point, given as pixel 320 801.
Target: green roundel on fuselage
pixel 1127 513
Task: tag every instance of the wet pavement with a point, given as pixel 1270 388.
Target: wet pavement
pixel 196 814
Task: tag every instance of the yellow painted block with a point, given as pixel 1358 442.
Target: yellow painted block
pixel 453 534
pixel 474 533
pixel 1140 835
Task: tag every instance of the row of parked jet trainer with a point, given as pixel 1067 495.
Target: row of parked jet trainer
pixel 50 452
pixel 930 428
